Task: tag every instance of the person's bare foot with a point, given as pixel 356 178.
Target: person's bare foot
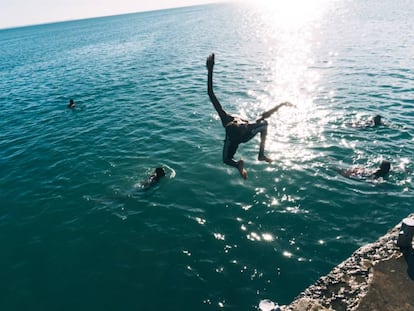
pixel 240 167
pixel 264 158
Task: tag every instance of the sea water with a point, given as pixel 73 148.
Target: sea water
pixel 77 232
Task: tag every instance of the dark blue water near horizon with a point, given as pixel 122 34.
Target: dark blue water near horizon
pixel 78 232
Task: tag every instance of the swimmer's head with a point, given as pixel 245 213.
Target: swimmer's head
pixel 383 170
pixel 377 120
pixel 71 103
pixel 160 172
pixel 385 166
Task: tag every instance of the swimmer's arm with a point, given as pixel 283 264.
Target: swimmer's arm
pixel 213 98
pixel 210 91
pixel 268 113
pixel 354 172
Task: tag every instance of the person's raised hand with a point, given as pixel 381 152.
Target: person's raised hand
pixel 210 62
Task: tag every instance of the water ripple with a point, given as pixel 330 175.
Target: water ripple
pixel 70 179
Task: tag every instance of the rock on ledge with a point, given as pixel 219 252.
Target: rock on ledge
pixel 377 276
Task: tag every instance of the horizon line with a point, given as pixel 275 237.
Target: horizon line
pixel 109 15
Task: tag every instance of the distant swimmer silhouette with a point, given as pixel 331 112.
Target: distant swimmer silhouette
pixel 376 121
pixel 153 179
pixel 359 171
pixel 237 129
pixel 71 104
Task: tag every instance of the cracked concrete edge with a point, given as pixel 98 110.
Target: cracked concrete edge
pixel 345 286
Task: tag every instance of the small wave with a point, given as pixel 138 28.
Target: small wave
pixel 171 172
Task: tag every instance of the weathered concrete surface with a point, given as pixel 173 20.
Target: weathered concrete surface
pixel 376 277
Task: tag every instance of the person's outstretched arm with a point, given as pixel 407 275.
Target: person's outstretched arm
pixel 268 113
pixel 222 114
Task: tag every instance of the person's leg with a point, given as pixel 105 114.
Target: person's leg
pixel 262 156
pixel 229 149
pixel 253 129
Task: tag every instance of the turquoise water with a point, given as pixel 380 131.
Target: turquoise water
pixel 78 233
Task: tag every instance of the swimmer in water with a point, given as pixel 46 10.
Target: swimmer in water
pixel 237 129
pixel 376 121
pixel 154 178
pixel 381 172
pixel 71 104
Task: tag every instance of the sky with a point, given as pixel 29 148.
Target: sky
pixel 14 13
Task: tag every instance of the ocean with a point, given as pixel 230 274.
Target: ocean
pixel 78 232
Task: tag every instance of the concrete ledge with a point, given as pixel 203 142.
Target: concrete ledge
pixel 377 276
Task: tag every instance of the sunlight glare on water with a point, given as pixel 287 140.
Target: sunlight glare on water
pixel 202 238
pixel 290 30
pixel 291 14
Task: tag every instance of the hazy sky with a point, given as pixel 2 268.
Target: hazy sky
pixel 29 12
